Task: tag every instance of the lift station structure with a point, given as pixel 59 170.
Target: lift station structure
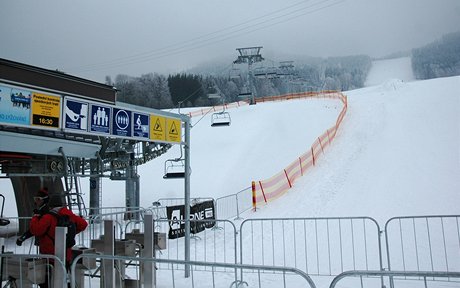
pixel 56 128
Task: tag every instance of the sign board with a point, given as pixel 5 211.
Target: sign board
pixel 173 130
pixel 200 211
pixel 14 105
pixel 28 107
pixel 75 115
pixel 46 110
pixel 141 128
pixel 122 124
pixel 100 119
pixel 157 128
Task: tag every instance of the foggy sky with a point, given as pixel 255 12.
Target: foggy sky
pixel 92 39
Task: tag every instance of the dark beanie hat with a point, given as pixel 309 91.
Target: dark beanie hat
pixel 43 192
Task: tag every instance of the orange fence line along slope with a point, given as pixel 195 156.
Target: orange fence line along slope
pixel 275 186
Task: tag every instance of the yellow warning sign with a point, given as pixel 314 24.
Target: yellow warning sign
pixel 174 130
pixel 157 128
pixel 46 110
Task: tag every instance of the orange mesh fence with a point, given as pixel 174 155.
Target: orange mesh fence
pixel 280 183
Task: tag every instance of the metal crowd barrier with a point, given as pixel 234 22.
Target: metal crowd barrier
pixel 208 275
pixel 27 270
pixel 423 243
pixel 231 206
pixel 368 279
pixel 217 244
pixel 180 201
pixel 317 246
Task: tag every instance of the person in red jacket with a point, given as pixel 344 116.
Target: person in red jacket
pixel 43 224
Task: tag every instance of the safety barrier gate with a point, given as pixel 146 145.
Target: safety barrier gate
pixel 317 246
pixel 423 243
pixel 379 279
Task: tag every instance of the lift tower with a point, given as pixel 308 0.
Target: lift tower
pixel 249 55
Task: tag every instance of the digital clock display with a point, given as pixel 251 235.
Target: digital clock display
pixel 45 121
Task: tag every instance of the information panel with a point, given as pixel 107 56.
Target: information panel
pixel 26 107
pixel 76 115
pixel 122 124
pixel 14 105
pixel 141 125
pixel 100 118
pixel 46 110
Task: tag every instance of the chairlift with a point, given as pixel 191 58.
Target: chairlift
pixel 235 73
pixel 260 72
pixel 175 168
pixel 220 119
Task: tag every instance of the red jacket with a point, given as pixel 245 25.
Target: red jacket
pixel 43 227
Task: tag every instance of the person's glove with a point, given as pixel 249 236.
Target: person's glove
pixel 20 240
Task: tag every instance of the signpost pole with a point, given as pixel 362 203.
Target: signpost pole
pixel 187 196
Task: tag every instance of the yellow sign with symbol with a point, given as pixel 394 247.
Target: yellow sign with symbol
pixel 174 130
pixel 157 128
pixel 46 110
pixel 165 129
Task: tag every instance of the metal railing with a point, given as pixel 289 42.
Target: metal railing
pixel 231 206
pixel 217 244
pixel 423 243
pixel 180 201
pixel 367 279
pixel 26 270
pixel 317 246
pixel 208 275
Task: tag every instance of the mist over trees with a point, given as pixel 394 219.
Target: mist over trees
pixel 438 59
pixel 191 90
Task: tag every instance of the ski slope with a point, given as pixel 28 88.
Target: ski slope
pixel 382 70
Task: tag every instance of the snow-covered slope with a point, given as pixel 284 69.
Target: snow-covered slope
pixel 397 153
pixel 384 70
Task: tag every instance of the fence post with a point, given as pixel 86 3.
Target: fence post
pixel 289 181
pixel 313 155
pixel 254 195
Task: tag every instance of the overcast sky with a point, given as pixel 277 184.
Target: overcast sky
pixel 92 39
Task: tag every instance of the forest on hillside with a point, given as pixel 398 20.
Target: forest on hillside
pixel 438 59
pixel 190 90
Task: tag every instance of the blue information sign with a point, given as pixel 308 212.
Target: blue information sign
pixel 122 124
pixel 76 115
pixel 15 105
pixel 100 118
pixel 141 125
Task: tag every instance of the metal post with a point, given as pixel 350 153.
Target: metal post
pixel 187 196
pixel 149 252
pixel 94 191
pixel 60 252
pixel 109 249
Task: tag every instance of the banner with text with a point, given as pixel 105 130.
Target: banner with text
pixel 200 211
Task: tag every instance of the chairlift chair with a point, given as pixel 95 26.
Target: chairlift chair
pixel 220 119
pixel 235 73
pixel 174 169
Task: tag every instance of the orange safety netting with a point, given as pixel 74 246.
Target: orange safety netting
pixel 280 183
